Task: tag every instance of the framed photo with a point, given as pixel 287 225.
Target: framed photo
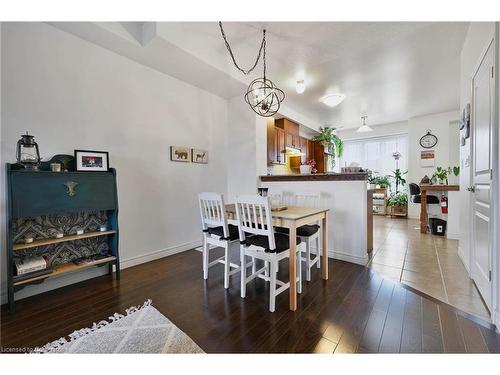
pixel 91 161
pixel 427 158
pixel 199 156
pixel 179 154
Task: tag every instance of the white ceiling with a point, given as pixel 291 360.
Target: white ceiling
pixel 390 71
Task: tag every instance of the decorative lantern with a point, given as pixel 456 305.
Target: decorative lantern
pixel 27 153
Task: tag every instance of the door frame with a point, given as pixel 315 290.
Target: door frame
pixel 495 272
pixel 495 207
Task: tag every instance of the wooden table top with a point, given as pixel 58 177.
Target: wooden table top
pixel 439 187
pixel 291 212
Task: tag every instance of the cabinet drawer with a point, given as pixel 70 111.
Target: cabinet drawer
pixel 43 193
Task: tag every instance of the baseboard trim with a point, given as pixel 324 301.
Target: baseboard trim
pixel 335 254
pixel 465 262
pixel 144 258
pixel 496 319
pixel 331 254
pixel 130 262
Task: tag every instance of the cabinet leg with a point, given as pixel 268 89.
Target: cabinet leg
pixel 117 267
pixel 12 307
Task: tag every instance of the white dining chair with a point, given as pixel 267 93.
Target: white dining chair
pixel 309 234
pixel 259 241
pixel 217 232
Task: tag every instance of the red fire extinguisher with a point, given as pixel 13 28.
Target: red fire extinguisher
pixel 444 204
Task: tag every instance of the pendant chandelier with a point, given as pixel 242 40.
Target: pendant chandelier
pixel 262 95
pixel 364 128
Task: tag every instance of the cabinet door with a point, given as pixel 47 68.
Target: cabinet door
pixel 303 149
pixel 43 193
pixel 280 145
pixel 289 139
pixel 310 149
pixel 272 157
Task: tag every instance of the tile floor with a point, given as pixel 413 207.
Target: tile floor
pixel 425 262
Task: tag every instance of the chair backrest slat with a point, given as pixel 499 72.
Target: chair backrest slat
pixel 254 216
pixel 212 211
pixel 308 199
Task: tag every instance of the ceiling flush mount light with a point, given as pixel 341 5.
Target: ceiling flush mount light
pixel 364 128
pixel 300 87
pixel 262 95
pixel 332 100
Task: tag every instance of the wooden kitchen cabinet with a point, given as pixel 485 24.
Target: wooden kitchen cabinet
pixel 280 146
pixel 272 146
pixel 303 149
pixel 310 150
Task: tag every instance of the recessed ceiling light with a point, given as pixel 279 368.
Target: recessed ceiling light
pixel 300 87
pixel 332 100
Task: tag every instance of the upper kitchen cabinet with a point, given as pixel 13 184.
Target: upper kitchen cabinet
pixel 303 149
pixel 275 144
pixel 272 147
pixel 291 129
pixel 280 146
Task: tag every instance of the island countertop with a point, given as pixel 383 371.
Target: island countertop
pixel 363 176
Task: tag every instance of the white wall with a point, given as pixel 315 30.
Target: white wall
pixel 439 124
pixel 478 37
pixel 72 94
pixel 247 149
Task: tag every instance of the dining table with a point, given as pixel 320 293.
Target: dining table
pixel 292 217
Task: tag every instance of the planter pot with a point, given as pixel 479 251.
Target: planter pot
pixel 372 186
pixel 398 210
pixel 305 169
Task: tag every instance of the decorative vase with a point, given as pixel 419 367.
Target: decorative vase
pixel 305 169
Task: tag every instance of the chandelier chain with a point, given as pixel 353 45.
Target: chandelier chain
pixel 261 49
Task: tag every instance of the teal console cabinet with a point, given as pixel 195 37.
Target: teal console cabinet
pixel 42 204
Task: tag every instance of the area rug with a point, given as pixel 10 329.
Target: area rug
pixel 142 329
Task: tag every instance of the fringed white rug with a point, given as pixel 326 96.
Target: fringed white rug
pixel 143 329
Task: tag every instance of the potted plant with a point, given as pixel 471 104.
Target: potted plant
pixel 398 204
pixel 308 167
pixel 441 174
pixel 382 182
pixel 331 142
pixel 371 180
pixel 397 176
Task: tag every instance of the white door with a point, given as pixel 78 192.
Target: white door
pixel 483 96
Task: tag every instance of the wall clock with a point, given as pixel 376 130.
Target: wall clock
pixel 429 140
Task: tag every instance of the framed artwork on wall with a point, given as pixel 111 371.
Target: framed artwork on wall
pixel 199 156
pixel 179 154
pixel 91 161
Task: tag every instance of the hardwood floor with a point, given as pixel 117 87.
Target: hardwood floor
pixel 355 311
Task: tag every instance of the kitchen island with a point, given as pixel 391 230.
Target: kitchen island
pixel 350 209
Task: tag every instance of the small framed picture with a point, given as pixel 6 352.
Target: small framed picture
pixel 91 161
pixel 199 156
pixel 179 153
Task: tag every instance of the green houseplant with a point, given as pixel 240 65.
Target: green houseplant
pixel 382 181
pixel 397 176
pixel 398 204
pixel 441 174
pixel 331 141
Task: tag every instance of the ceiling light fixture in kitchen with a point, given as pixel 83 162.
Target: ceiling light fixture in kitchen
pixel 364 128
pixel 332 100
pixel 300 86
pixel 262 95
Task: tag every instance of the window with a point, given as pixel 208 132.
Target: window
pixel 376 153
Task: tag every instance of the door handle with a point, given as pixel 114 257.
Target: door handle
pixel 472 189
